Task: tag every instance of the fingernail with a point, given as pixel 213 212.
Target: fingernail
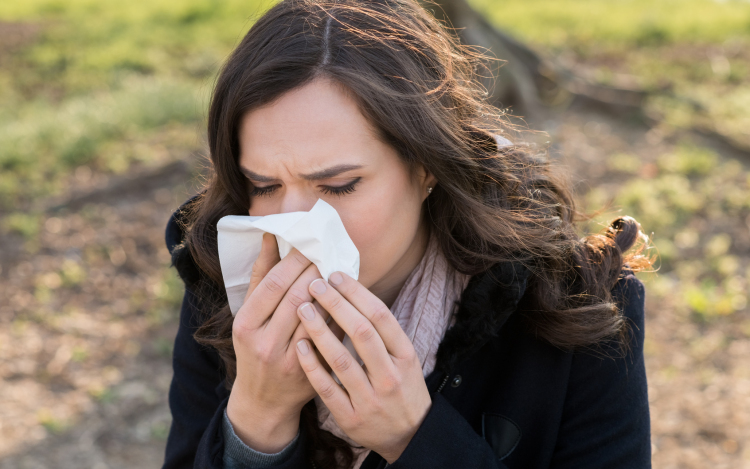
pixel 336 279
pixel 302 347
pixel 318 286
pixel 307 311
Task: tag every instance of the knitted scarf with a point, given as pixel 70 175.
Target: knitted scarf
pixel 424 309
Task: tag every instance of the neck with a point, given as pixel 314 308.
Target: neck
pixel 389 287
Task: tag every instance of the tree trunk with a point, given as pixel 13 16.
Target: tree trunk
pixel 528 84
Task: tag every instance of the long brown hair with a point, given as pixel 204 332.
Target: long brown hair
pixel 419 88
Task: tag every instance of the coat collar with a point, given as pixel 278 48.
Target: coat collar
pixel 486 304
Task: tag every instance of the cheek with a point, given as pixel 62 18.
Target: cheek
pixel 382 227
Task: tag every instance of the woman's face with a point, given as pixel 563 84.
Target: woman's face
pixel 314 143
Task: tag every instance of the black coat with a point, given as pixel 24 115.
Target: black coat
pixel 501 398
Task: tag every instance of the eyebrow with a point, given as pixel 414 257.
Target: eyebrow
pixel 322 174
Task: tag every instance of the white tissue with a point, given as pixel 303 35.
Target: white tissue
pixel 318 234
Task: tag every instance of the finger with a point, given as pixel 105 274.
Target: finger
pixel 264 300
pixel 365 337
pixel 336 399
pixel 393 336
pixel 284 321
pixel 341 361
pixel 300 333
pixel 269 257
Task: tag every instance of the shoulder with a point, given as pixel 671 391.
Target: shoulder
pixel 175 237
pixel 629 294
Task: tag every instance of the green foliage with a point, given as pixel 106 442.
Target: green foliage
pixel 42 143
pixel 620 23
pixel 89 43
pixel 689 160
pixel 27 225
pixel 100 80
pixel 691 206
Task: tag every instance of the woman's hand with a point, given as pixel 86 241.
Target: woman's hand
pixel 270 388
pixel 386 400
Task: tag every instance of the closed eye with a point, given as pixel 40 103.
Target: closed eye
pixel 335 190
pixel 341 190
pixel 261 191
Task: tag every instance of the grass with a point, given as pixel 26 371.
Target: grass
pixel 89 44
pixel 694 202
pixel 587 25
pixel 100 86
pixel 41 143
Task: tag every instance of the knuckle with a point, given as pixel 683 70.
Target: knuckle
pixel 381 314
pixel 312 268
pixel 240 330
pixel 327 391
pixel 273 283
pixel 244 334
pixel 316 331
pixel 355 422
pixel 364 332
pixel 299 258
pixel 375 405
pixel 391 383
pixel 264 352
pixel 409 359
pixel 342 363
pixel 335 302
pixel 349 288
pixel 309 367
pixel 297 296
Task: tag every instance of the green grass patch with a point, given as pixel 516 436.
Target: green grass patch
pixel 87 44
pixel 586 24
pixel 41 144
pixel 692 207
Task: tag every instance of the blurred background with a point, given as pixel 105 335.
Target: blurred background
pixel 102 107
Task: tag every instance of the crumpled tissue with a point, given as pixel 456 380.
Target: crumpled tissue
pixel 318 234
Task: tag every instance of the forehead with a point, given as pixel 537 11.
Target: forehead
pixel 316 124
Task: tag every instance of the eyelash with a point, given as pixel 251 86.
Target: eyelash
pixel 339 191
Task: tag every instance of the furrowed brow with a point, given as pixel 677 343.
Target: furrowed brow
pixel 255 176
pixel 330 172
pixel 322 174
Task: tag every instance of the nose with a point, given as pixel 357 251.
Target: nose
pixel 297 201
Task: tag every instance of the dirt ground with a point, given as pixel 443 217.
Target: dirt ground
pixel 89 315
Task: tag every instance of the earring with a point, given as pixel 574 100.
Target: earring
pixel 429 190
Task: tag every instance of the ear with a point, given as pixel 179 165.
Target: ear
pixel 425 180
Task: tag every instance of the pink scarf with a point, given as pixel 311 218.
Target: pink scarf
pixel 424 309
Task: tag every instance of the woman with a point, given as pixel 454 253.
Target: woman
pixel 491 335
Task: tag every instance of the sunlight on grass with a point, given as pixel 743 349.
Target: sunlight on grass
pixel 622 23
pixel 164 37
pixel 688 207
pixel 42 143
